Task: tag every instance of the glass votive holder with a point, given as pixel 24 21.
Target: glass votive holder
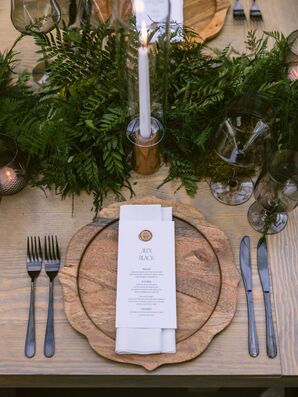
pixel 292 55
pixel 293 71
pixel 292 41
pixel 13 175
pixel 145 155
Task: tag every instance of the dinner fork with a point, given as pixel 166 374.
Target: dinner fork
pixel 255 12
pixel 34 263
pixel 238 11
pixel 52 266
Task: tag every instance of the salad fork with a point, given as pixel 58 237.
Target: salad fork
pixel 34 263
pixel 52 266
pixel 255 12
pixel 238 11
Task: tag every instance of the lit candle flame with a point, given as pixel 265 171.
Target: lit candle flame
pixel 7 176
pixel 10 175
pixel 139 6
pixel 143 35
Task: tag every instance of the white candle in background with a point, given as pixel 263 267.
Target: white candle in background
pixel 144 85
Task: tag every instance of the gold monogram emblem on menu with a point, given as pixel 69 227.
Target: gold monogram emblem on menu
pixel 145 235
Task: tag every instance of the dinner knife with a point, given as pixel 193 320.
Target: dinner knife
pixel 265 281
pixel 245 265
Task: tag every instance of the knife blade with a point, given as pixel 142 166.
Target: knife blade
pixel 245 265
pixel 263 270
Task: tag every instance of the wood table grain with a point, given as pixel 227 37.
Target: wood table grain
pixel 226 362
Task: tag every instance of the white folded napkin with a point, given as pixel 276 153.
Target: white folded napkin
pixel 145 340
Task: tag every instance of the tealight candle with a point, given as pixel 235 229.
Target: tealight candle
pixel 12 172
pixel 8 180
pixel 7 175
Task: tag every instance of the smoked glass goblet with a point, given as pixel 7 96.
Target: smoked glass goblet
pixel 240 141
pixel 276 193
pixel 36 16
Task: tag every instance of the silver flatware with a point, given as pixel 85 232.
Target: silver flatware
pixel 255 12
pixel 72 12
pixel 52 266
pixel 34 263
pixel 245 265
pixel 263 270
pixel 238 11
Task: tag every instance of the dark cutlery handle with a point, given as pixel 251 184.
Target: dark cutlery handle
pixel 49 343
pixel 86 10
pixel 270 334
pixel 72 12
pixel 30 343
pixel 253 343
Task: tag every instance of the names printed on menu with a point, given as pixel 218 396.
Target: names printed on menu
pixel 146 295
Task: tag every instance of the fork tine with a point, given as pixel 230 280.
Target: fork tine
pixel 39 250
pixel 32 249
pixel 35 249
pixel 53 247
pixel 50 248
pixel 57 248
pixel 46 248
pixel 28 251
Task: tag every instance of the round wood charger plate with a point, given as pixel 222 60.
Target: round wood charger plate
pixel 205 17
pixel 207 281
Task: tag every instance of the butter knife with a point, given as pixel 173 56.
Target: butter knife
pixel 245 265
pixel 265 281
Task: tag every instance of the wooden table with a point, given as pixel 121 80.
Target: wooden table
pixel 226 362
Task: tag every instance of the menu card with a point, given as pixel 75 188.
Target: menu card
pixel 146 283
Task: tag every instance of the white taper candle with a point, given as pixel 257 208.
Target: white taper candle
pixel 144 85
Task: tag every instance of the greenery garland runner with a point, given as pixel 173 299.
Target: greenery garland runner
pixel 16 99
pixel 73 129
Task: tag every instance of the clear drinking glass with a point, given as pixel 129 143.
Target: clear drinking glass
pixel 276 193
pixel 13 176
pixel 81 12
pixel 292 55
pixel 39 16
pixel 241 141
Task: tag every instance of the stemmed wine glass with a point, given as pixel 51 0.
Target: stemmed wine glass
pixel 276 193
pixel 240 141
pixel 37 16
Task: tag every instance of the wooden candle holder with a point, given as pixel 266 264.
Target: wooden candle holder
pixel 146 158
